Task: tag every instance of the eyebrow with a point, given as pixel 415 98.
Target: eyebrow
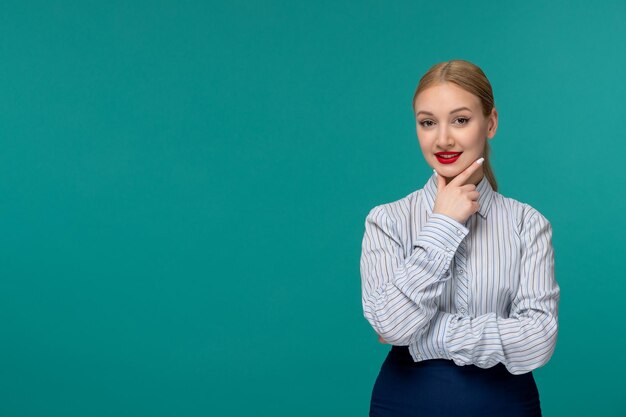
pixel 453 111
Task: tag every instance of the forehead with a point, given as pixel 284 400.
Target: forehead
pixel 442 98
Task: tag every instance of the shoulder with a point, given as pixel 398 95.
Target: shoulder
pixel 396 210
pixel 525 216
pixel 397 218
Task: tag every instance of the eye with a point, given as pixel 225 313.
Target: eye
pixel 463 120
pixel 426 123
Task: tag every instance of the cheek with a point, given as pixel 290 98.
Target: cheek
pixel 426 137
pixel 471 137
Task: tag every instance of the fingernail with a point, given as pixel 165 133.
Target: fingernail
pixel 480 161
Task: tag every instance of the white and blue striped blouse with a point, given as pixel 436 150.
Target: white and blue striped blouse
pixel 477 293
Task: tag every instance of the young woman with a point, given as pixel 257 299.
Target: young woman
pixel 458 278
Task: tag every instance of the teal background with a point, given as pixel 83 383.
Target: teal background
pixel 184 187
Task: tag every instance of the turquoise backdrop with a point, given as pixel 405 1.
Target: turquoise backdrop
pixel 184 184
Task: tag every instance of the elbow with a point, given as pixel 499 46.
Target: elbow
pixel 550 332
pixel 397 330
pixel 548 338
pixel 539 354
pixel 396 338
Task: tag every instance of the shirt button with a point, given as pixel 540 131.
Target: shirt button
pixel 448 250
pixel 458 232
pixel 463 311
pixel 418 357
pixel 461 270
pixel 441 352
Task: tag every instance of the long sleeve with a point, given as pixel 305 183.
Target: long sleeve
pixel 398 293
pixel 527 338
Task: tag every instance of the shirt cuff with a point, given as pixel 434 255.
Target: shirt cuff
pixel 440 325
pixel 429 263
pixel 441 233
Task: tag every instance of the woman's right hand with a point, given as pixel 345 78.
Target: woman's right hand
pixel 457 199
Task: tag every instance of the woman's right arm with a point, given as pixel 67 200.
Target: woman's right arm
pixel 398 293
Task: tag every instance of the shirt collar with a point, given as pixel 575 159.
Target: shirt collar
pixel 484 189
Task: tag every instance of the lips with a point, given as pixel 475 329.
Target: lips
pixel 447 157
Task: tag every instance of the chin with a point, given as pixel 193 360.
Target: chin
pixel 455 168
pixel 448 172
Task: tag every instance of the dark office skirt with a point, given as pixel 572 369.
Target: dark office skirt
pixel 440 388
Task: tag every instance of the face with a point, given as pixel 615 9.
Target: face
pixel 444 130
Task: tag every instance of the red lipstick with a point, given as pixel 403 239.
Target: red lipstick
pixel 447 157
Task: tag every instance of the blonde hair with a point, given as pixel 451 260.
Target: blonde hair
pixel 473 80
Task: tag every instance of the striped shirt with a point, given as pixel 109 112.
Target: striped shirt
pixel 480 293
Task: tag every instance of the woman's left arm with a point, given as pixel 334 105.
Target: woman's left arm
pixel 527 338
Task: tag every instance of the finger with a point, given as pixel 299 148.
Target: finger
pixel 473 195
pixel 464 176
pixel 441 182
pixel 468 187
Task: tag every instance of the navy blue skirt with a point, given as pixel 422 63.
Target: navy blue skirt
pixel 440 388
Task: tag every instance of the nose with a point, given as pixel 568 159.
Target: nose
pixel 444 139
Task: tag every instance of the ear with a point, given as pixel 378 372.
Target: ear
pixel 492 124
